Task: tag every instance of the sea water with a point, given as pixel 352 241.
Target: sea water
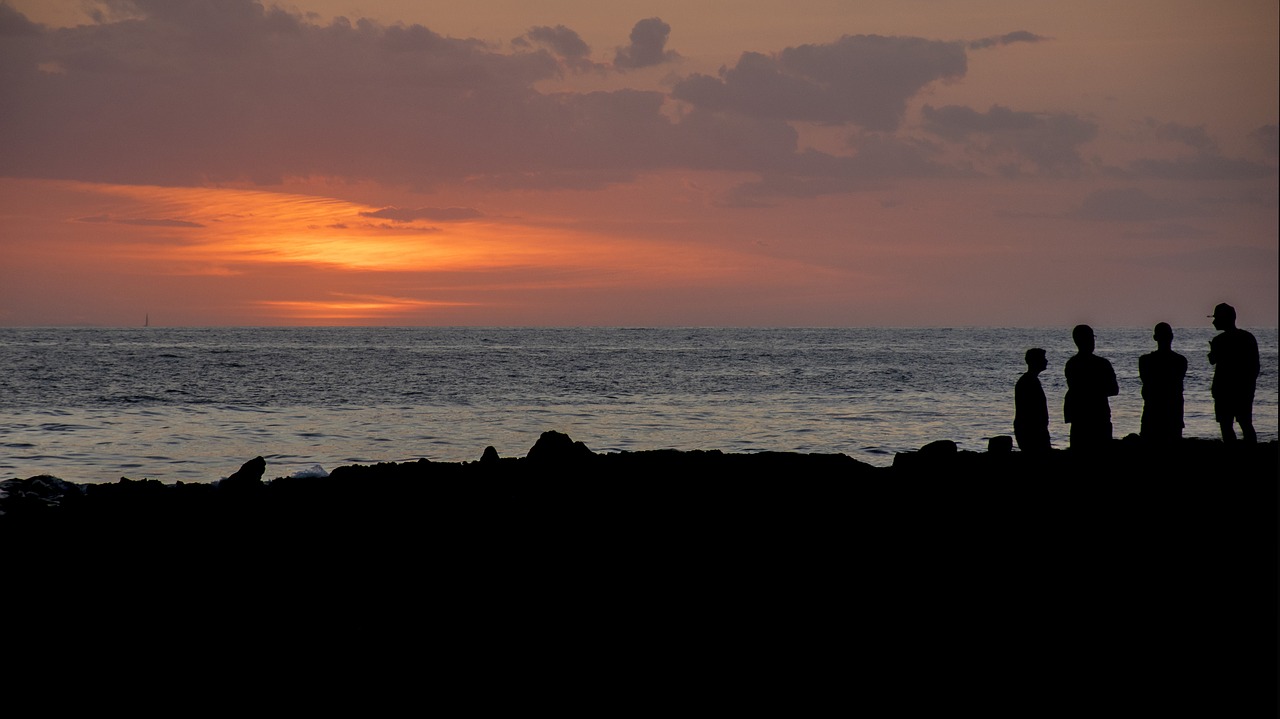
pixel 192 404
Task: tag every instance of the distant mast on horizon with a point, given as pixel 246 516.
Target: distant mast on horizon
pixel 146 322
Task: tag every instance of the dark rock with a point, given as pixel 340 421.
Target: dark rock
pixel 250 473
pixel 940 447
pixel 555 446
pixel 1000 444
pixel 930 459
pixel 490 454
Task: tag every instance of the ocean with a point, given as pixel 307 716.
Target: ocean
pixel 193 404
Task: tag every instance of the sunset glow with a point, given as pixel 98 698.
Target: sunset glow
pixel 872 163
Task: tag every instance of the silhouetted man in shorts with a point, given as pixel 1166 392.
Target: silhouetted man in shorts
pixel 1030 411
pixel 1234 355
pixel 1162 373
pixel 1090 381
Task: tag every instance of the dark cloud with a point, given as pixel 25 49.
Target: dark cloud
pixel 956 122
pixel 563 42
pixel 187 95
pixel 436 214
pixel 1006 39
pixel 884 155
pixel 1050 141
pixel 648 46
pixel 191 92
pixel 1129 205
pixel 1205 163
pixel 1268 138
pixel 861 79
pixel 1202 167
pixel 139 221
pixel 15 24
pixel 1194 137
pixel 880 158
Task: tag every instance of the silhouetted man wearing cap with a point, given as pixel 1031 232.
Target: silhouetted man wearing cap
pixel 1090 381
pixel 1162 373
pixel 1234 355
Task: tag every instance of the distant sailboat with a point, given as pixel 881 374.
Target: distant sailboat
pixel 147 322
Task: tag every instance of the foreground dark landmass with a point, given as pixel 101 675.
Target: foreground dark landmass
pixel 1129 578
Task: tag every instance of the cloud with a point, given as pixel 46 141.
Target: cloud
pixel 191 92
pixel 1268 138
pixel 436 214
pixel 1129 205
pixel 861 79
pixel 402 229
pixel 1202 167
pixel 1006 39
pixel 187 94
pixel 1050 141
pixel 879 159
pixel 648 46
pixel 563 42
pixel 15 24
pixel 1206 162
pixel 139 221
pixel 1194 137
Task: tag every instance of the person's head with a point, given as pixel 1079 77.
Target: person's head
pixel 1224 316
pixel 1036 360
pixel 1083 336
pixel 1163 334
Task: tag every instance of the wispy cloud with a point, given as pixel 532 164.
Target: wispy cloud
pixel 140 221
pixel 1006 39
pixel 435 214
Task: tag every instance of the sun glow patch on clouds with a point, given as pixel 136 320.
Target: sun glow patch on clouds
pixel 345 307
pixel 221 227
pixel 264 257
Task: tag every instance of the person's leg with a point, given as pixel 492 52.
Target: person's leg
pixel 1222 410
pixel 1246 424
pixel 1228 431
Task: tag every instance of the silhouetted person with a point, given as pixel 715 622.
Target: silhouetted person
pixel 1090 381
pixel 1162 373
pixel 1030 410
pixel 1234 354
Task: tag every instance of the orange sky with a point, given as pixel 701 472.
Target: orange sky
pixel 494 162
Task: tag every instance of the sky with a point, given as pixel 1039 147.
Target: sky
pixel 930 163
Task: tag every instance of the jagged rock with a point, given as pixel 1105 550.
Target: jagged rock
pixel 247 477
pixel 555 446
pixel 42 491
pixel 490 455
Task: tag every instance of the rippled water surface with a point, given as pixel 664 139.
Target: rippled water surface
pixel 92 405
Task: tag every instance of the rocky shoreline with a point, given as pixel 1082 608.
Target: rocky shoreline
pixel 559 473
pixel 971 579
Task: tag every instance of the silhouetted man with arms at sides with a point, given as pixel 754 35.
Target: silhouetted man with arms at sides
pixel 1090 381
pixel 1162 373
pixel 1030 411
pixel 1234 355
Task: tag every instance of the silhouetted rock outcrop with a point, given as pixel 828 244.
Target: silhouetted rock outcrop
pixel 246 478
pixel 1153 567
